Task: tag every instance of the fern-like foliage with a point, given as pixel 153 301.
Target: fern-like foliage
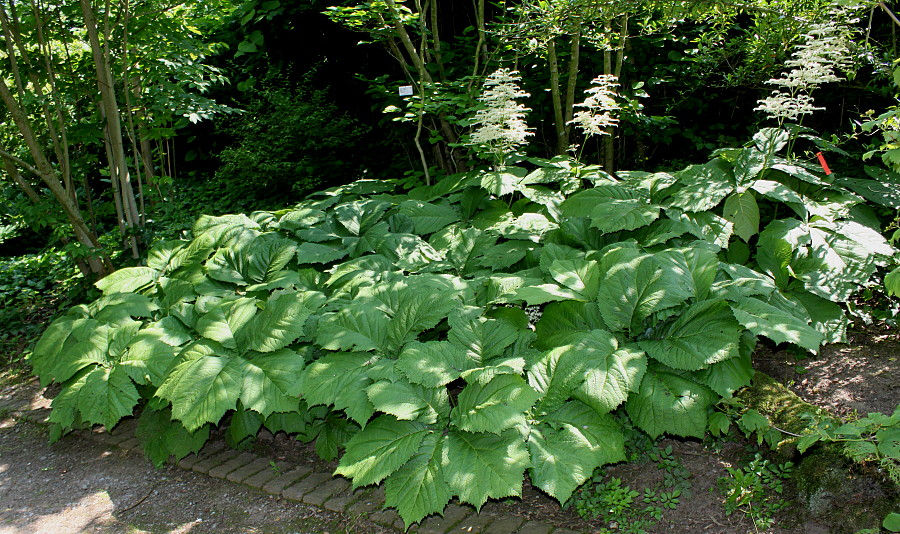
pixel 392 325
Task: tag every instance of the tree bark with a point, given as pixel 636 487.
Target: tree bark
pixel 119 168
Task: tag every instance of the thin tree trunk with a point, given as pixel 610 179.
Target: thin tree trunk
pixel 572 80
pixel 556 99
pixel 119 168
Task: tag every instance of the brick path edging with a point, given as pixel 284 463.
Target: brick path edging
pixel 298 483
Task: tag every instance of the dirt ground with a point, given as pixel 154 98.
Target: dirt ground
pixel 81 486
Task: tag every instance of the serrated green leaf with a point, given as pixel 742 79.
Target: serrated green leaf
pixel 98 394
pixel 892 283
pixel 359 327
pixel 161 437
pixel 766 320
pixel 668 403
pixel 535 295
pixel 729 376
pixel 705 333
pixel 580 276
pixel 612 378
pixel 462 246
pixel 501 183
pixel 891 522
pixel 561 460
pixel 243 428
pixel 434 363
pixel 160 256
pixel 127 280
pixel 478 467
pixel 223 320
pixel 482 338
pixel 719 423
pixel 612 215
pixel 428 218
pixel 148 357
pixel 704 186
pixel 633 287
pixel 280 323
pixel 494 406
pixel 341 380
pixel 561 370
pixel 321 253
pixel 205 385
pixel 358 217
pixel 418 488
pixel 268 379
pixel 409 402
pixel 601 430
pixel 741 209
pixel 561 320
pixel 380 449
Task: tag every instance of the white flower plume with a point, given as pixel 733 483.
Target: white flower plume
pixel 502 121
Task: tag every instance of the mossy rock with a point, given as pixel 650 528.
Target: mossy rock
pixel 833 490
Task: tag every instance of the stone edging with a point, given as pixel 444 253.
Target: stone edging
pixel 300 484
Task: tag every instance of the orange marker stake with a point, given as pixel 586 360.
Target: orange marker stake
pixel 823 163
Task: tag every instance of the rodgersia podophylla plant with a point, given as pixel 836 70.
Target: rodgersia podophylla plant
pixel 814 62
pixel 502 128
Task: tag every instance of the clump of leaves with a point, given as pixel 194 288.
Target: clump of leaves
pixel 393 326
pixel 756 490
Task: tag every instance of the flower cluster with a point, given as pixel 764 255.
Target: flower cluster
pixel 502 121
pixel 597 119
pixel 824 50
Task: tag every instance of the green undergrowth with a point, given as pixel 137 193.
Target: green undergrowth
pixel 446 340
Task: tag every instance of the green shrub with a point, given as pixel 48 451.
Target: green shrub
pixel 289 142
pixel 394 325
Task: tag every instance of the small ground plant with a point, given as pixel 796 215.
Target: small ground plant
pixel 756 490
pixel 623 509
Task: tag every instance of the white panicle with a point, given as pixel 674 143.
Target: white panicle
pixel 597 118
pixel 824 50
pixel 502 121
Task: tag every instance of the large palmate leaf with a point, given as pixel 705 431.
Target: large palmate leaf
pixel 149 357
pixel 482 338
pixel 98 394
pixel 478 467
pixel 409 402
pixel 670 403
pixel 562 320
pixel 634 286
pixel 561 459
pixel 428 218
pixel 280 322
pixel 741 209
pixel 127 280
pixel 380 449
pixel 161 437
pixel 254 261
pixel 601 430
pixel 68 346
pixel 361 326
pixel 358 217
pixel 582 276
pixel 495 406
pixel 434 363
pixel 211 379
pixel 559 371
pixel 268 379
pixel 418 488
pixel 462 247
pixel 703 186
pixel 205 385
pixel 763 319
pixel 705 333
pixel 339 379
pixel 612 215
pixel 612 378
pixel 225 319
